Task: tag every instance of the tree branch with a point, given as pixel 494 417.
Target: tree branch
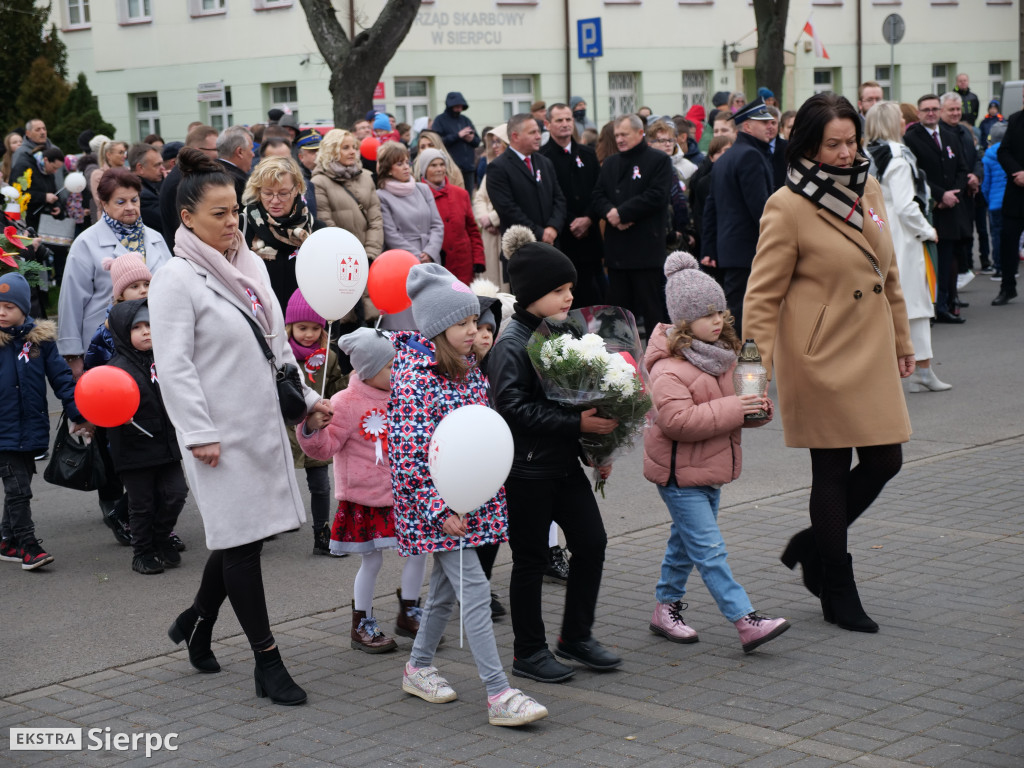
pixel 327 31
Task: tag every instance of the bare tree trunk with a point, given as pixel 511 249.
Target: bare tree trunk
pixel 356 65
pixel 770 17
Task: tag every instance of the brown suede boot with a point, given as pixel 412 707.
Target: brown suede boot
pixel 408 622
pixel 367 635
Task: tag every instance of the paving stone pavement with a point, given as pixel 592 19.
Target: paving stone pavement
pixel 939 562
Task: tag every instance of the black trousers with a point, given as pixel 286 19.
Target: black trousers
pixel 945 274
pixel 981 226
pixel 319 483
pixel 236 574
pixel 532 505
pixel 734 283
pixel 642 292
pixel 156 496
pixel 1009 242
pixel 16 470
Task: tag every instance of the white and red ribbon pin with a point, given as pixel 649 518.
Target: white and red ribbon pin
pixel 256 306
pixel 25 349
pixel 636 172
pixel 876 218
pixel 315 362
pixel 152 373
pixel 374 427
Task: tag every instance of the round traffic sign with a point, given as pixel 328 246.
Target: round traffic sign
pixel 893 28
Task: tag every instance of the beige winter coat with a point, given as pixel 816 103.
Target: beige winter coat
pixel 358 212
pixel 827 325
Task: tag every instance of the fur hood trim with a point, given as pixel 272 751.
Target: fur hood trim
pixel 44 330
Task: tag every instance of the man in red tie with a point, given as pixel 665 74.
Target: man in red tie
pixel 941 157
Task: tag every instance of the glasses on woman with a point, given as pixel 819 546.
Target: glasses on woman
pixel 266 194
pixel 663 141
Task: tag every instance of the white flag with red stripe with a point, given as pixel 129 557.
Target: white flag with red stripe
pixel 819 48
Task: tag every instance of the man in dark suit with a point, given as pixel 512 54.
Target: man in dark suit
pixel 203 138
pixel 146 163
pixel 1011 157
pixel 950 112
pixel 577 170
pixel 632 194
pixel 522 183
pixel 939 154
pixel 234 152
pixel 741 184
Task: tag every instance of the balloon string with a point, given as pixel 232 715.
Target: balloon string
pixel 323 388
pixel 379 318
pixel 147 434
pixel 462 581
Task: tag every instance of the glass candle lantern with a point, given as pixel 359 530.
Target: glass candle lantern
pixel 750 377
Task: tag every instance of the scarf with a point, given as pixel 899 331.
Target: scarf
pixel 270 233
pixel 400 188
pixel 713 359
pixel 438 187
pixel 339 172
pixel 837 190
pixel 237 270
pixel 301 352
pixel 131 237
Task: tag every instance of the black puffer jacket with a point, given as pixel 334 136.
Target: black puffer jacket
pixel 129 448
pixel 546 434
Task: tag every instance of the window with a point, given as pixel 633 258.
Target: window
pixel 695 89
pixel 269 5
pixel 621 93
pixel 207 7
pixel 517 95
pixel 147 114
pixel 218 113
pixel 823 80
pixel 884 79
pixel 940 78
pixel 284 96
pixel 412 100
pixel 77 14
pixel 134 11
pixel 996 78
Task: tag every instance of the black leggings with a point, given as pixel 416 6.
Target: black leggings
pixel 235 573
pixel 840 494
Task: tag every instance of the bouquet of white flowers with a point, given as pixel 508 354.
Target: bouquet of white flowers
pixel 591 361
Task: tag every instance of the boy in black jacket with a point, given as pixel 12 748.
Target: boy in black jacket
pixel 149 466
pixel 547 481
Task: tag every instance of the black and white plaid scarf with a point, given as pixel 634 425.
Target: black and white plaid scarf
pixel 835 189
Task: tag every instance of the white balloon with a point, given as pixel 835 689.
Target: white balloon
pixel 470 457
pixel 74 182
pixel 331 270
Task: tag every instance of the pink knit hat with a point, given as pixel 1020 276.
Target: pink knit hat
pixel 126 269
pixel 299 311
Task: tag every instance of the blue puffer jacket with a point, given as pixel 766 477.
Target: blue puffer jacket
pixel 28 357
pixel 101 347
pixel 993 184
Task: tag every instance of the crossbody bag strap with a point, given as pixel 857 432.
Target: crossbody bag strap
pixel 259 338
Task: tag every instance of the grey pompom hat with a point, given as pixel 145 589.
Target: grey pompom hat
pixel 439 299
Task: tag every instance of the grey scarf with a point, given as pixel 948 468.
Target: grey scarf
pixel 713 359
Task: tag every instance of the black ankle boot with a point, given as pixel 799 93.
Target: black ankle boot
pixel 197 632
pixel 273 680
pixel 802 549
pixel 840 602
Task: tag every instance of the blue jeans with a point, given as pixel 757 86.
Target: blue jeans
pixel 696 541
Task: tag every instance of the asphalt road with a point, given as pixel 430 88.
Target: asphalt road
pixel 89 611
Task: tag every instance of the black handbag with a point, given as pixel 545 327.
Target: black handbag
pixel 289 383
pixel 73 464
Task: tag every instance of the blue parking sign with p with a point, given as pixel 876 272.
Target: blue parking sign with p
pixel 588 38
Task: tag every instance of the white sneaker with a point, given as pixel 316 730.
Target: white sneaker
pixel 514 708
pixel 963 279
pixel 426 683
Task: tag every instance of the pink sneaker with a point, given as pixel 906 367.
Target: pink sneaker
pixel 667 621
pixel 757 630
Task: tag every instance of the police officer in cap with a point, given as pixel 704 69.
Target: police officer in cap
pixel 308 147
pixel 741 183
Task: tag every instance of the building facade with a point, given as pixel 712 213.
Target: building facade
pixel 157 65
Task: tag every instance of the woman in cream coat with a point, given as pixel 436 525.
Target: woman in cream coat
pixel 220 393
pixel 825 307
pixel 897 172
pixel 486 217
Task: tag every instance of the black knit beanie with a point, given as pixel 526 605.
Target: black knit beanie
pixel 534 269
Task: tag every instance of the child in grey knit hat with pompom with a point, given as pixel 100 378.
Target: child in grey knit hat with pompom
pixel 694 449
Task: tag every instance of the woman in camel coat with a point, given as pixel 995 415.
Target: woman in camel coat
pixel 825 307
pixel 345 193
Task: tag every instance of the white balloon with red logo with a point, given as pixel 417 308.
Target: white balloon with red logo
pixel 331 269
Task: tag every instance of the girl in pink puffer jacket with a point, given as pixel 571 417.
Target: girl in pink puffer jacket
pixel 694 449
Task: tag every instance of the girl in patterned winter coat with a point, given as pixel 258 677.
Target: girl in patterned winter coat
pixel 434 374
pixel 357 438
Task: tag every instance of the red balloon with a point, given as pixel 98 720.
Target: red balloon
pixel 386 281
pixel 368 148
pixel 107 396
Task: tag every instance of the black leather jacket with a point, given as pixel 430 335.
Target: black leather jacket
pixel 546 434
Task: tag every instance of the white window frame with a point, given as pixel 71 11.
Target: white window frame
pixel 405 106
pixel 150 116
pixel 623 100
pixel 823 87
pixel 291 104
pixel 940 87
pixel 692 92
pixel 84 16
pixel 124 14
pixel 516 102
pixel 196 9
pixel 219 111
pixel 997 80
pixel 885 81
pixel 271 5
